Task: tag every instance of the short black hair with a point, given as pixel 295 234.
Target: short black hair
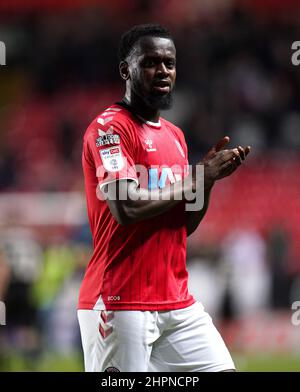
pixel 130 37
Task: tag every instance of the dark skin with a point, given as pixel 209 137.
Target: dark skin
pixel 150 69
pixel 152 62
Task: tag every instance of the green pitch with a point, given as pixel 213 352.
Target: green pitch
pixel 267 362
pixel 74 363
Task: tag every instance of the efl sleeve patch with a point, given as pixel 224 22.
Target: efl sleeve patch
pixel 107 137
pixel 112 159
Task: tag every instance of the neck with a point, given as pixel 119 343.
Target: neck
pixel 140 108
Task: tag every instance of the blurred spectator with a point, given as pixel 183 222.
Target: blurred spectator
pixel 23 256
pixel 63 335
pixel 7 170
pixel 5 274
pixel 246 271
pixel 206 282
pixel 56 291
pixel 278 254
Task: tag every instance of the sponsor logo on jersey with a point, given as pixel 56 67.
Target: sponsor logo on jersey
pixel 149 144
pixel 114 151
pixel 112 159
pixel 155 181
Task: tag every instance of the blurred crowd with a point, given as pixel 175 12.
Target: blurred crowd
pixel 235 77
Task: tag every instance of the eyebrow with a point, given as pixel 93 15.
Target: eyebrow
pixel 157 55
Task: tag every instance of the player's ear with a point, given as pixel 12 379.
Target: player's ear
pixel 124 70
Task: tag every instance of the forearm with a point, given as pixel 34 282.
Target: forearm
pixel 141 204
pixel 193 218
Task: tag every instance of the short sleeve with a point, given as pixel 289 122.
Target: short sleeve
pixel 183 143
pixel 112 150
pixel 180 135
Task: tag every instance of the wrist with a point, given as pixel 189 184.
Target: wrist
pixel 208 184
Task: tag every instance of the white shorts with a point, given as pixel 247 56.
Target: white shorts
pixel 181 340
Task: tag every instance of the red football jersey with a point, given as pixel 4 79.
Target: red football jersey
pixel 140 266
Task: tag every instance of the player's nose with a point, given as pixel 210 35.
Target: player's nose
pixel 162 70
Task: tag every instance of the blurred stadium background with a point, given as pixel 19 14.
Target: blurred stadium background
pixel 235 77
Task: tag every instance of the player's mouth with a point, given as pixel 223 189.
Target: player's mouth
pixel 163 87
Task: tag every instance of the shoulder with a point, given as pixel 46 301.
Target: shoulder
pixel 113 120
pixel 174 128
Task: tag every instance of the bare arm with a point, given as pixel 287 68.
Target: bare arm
pixel 193 218
pixel 140 204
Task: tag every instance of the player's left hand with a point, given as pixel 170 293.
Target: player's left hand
pixel 236 161
pixel 223 167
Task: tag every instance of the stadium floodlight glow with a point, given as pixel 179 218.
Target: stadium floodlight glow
pixel 2 313
pixel 2 53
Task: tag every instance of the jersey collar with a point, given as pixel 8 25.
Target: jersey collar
pixel 150 123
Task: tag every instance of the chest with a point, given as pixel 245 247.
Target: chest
pixel 161 156
pixel 160 147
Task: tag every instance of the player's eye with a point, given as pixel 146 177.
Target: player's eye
pixel 148 63
pixel 170 64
